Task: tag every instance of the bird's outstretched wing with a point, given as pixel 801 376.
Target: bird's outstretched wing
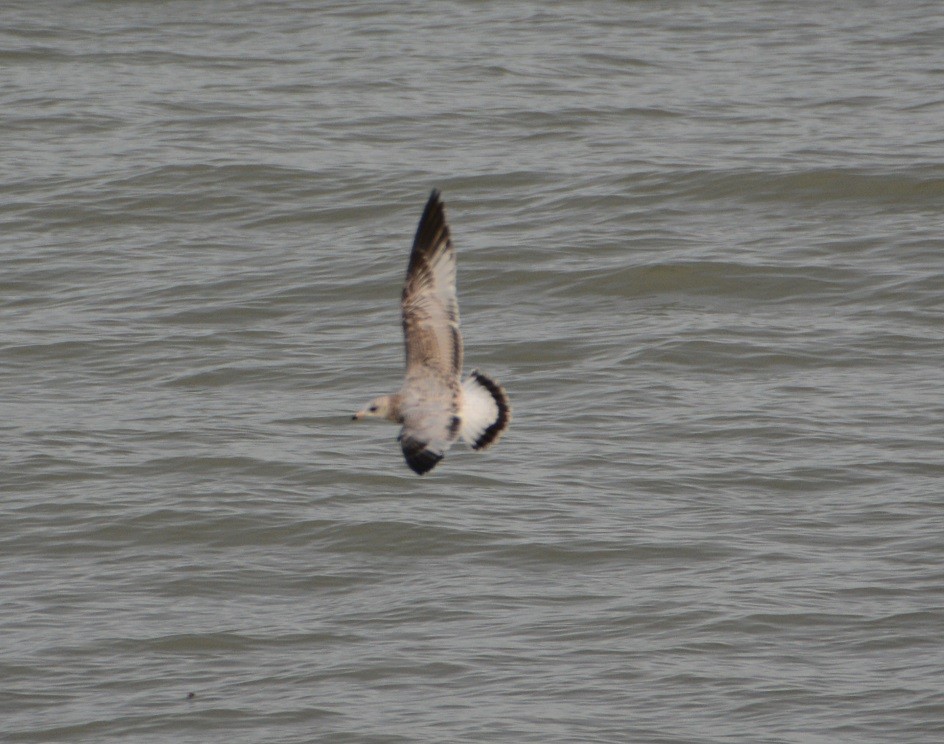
pixel 429 308
pixel 430 396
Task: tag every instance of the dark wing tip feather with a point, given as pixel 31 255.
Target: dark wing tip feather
pixel 420 459
pixel 498 426
pixel 432 230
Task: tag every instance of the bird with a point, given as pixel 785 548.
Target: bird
pixel 434 406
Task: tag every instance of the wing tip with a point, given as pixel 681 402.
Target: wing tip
pixel 432 230
pixel 418 458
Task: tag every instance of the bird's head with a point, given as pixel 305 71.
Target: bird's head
pixel 381 407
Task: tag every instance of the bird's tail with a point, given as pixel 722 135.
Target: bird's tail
pixel 486 411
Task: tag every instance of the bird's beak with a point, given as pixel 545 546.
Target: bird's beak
pixel 357 416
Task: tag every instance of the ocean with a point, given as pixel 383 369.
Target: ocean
pixel 700 244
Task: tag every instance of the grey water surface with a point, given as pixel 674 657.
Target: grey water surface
pixel 701 245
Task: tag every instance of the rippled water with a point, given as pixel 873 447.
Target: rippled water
pixel 701 246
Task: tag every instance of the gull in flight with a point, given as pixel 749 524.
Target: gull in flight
pixel 433 405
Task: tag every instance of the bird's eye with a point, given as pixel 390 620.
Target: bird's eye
pixel 372 409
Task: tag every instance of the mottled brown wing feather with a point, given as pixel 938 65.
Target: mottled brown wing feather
pixel 429 307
